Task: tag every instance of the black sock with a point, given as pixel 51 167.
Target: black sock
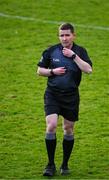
pixel 68 143
pixel 50 141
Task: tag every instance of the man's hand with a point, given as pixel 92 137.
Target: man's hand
pixel 84 66
pixel 46 72
pixel 59 71
pixel 67 52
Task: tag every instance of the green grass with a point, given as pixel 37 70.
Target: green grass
pixel 22 121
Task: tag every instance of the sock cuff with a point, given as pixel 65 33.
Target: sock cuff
pixel 68 137
pixel 50 136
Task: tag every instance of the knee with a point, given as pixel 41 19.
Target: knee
pixel 68 129
pixel 51 127
pixel 51 123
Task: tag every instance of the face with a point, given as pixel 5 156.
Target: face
pixel 66 38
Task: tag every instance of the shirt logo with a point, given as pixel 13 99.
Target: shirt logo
pixel 56 60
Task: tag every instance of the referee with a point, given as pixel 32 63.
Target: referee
pixel 63 64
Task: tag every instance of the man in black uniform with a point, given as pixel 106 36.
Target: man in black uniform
pixel 63 64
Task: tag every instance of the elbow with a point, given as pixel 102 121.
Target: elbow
pixel 38 72
pixel 89 70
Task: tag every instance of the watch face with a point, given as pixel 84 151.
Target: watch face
pixel 73 56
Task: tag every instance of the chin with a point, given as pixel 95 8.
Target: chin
pixel 66 45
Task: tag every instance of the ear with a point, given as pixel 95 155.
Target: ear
pixel 74 35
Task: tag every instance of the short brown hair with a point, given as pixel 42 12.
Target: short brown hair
pixel 66 26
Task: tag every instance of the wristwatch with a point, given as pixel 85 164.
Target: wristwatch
pixel 51 72
pixel 73 56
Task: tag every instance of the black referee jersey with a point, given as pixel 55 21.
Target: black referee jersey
pixel 54 58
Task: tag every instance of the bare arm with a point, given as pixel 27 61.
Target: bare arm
pixel 47 72
pixel 43 72
pixel 84 66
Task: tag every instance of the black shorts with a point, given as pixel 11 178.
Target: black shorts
pixel 65 104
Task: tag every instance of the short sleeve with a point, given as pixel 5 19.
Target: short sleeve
pixel 45 59
pixel 85 57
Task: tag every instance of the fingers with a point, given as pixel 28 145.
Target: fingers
pixel 67 52
pixel 60 70
pixel 64 50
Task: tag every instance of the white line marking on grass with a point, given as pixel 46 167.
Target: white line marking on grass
pixel 52 22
